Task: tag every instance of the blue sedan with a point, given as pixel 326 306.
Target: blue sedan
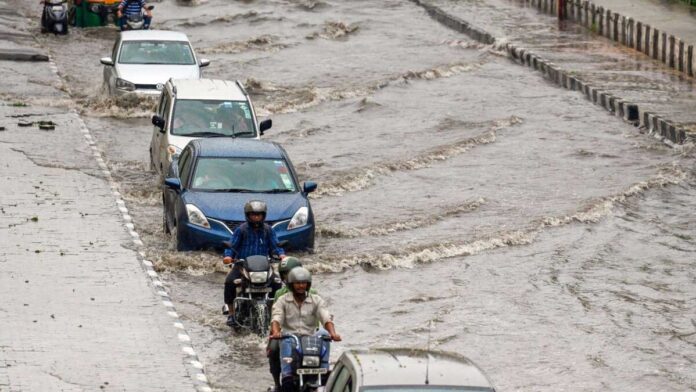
pixel 206 188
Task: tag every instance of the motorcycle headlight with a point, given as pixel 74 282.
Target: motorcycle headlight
pixel 173 152
pixel 258 277
pixel 196 217
pixel 299 219
pixel 96 8
pixel 311 361
pixel 122 84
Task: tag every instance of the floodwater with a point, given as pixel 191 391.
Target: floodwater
pixel 539 235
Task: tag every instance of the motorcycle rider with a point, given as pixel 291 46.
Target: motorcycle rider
pixel 273 348
pixel 254 237
pixel 299 312
pixel 133 7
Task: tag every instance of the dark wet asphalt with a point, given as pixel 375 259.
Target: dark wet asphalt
pixel 547 240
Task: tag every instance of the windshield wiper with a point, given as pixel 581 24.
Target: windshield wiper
pixel 205 134
pixel 231 190
pixel 243 133
pixel 278 190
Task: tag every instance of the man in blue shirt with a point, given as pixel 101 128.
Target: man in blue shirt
pixel 254 237
pixel 133 7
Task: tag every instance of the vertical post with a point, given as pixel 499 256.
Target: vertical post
pixel 561 9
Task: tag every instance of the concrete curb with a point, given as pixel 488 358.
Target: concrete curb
pixel 629 112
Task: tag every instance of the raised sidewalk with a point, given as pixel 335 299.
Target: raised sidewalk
pixel 80 310
pixel 587 53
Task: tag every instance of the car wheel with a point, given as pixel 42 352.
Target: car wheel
pixel 310 245
pixel 179 240
pixel 106 89
pixel 165 221
pixel 153 168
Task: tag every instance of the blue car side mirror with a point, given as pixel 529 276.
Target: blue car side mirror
pixel 309 186
pixel 173 183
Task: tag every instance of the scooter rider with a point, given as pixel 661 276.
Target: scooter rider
pixel 254 237
pixel 133 7
pixel 273 349
pixel 299 312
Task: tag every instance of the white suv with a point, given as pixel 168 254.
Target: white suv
pixel 192 109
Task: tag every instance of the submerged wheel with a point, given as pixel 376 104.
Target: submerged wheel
pixel 165 222
pixel 261 320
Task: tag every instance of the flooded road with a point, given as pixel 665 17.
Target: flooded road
pixel 544 238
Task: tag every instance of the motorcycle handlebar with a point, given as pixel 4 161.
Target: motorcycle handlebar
pixel 282 336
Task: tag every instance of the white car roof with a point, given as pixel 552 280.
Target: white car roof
pixel 394 366
pixel 153 35
pixel 213 89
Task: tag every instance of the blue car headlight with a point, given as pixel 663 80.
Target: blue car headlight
pixel 300 218
pixel 196 217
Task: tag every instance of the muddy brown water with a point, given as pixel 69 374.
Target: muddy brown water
pixel 540 236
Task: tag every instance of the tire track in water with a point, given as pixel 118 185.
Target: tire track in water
pixel 361 178
pixel 593 212
pixel 393 227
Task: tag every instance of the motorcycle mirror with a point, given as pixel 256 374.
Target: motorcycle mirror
pixel 108 61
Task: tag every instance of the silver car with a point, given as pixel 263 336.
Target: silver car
pixel 142 61
pixel 406 370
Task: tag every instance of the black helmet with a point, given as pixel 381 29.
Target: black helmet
pixel 299 275
pixel 255 206
pixel 288 264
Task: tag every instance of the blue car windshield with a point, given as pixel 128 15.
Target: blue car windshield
pixel 258 175
pixel 156 52
pixel 204 118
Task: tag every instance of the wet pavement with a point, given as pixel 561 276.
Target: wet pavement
pixel 542 237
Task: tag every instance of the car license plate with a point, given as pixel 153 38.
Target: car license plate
pixel 312 371
pixel 259 290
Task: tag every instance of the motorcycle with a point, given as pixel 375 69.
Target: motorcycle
pixel 252 306
pixel 54 17
pixel 308 375
pixel 136 21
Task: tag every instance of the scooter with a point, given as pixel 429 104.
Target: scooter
pixel 135 21
pixel 307 371
pixel 54 18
